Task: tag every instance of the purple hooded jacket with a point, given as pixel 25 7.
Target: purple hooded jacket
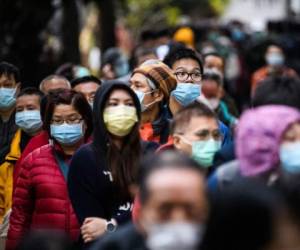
pixel 258 137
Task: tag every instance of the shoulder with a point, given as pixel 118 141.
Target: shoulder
pixel 149 147
pixel 85 152
pixel 84 160
pixel 41 152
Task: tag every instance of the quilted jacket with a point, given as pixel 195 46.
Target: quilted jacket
pixel 41 199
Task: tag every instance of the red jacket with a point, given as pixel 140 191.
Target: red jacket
pixel 37 141
pixel 41 199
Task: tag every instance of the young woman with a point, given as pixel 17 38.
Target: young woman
pixel 101 172
pixel 41 199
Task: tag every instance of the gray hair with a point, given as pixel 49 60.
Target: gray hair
pixel 53 77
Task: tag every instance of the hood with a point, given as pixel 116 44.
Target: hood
pixel 102 94
pixel 258 137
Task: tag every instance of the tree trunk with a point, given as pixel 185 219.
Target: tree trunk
pixel 70 32
pixel 107 24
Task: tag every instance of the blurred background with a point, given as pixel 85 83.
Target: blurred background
pixel 39 36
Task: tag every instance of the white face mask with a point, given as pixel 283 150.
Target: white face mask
pixel 171 236
pixel 214 103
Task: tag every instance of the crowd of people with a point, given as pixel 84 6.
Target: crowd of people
pixel 157 156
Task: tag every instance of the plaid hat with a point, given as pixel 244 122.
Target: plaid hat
pixel 159 75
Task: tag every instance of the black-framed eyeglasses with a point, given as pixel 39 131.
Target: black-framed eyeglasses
pixel 183 75
pixel 68 121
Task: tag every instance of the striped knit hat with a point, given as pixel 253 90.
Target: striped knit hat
pixel 159 75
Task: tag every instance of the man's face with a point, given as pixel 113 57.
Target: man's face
pixel 27 102
pixel 8 81
pixel 198 129
pixel 214 62
pixel 175 195
pixel 54 84
pixel 187 70
pixel 88 89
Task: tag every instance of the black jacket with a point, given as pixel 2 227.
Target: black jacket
pixel 126 238
pixel 91 188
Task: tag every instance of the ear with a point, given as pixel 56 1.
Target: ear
pixel 18 88
pixel 158 95
pixel 177 141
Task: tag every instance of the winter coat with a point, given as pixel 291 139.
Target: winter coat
pixel 41 199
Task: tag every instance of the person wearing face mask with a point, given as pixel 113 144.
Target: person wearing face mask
pixel 188 69
pixel 9 89
pixel 196 133
pixel 275 60
pixel 261 147
pixel 41 199
pixel 101 172
pixel 212 89
pixel 28 120
pixel 88 86
pixel 115 65
pixel 174 207
pixel 153 82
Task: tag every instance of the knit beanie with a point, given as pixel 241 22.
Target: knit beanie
pixel 159 75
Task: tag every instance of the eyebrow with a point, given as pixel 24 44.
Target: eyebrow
pixel 182 68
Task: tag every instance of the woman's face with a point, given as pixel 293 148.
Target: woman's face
pixel 119 97
pixel 292 135
pixel 67 114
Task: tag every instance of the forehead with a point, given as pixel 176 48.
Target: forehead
pixel 28 99
pixel 294 128
pixel 6 77
pixel 201 123
pixel 138 77
pixel 56 83
pixel 186 64
pixel 64 109
pixel 170 182
pixel 119 94
pixel 87 86
pixel 211 59
pixel 274 49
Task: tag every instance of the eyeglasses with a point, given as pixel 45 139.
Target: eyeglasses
pixel 75 120
pixel 183 75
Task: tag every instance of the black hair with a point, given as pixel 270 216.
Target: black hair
pixel 30 91
pixel 85 79
pixel 195 109
pixel 281 90
pixel 147 35
pixel 213 76
pixel 123 163
pixel 216 54
pixel 68 97
pixel 66 70
pixel 242 216
pixel 183 53
pixel 10 70
pixel 165 160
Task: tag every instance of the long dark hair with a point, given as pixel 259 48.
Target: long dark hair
pixel 123 163
pixel 68 97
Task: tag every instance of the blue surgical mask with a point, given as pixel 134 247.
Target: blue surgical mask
pixel 29 121
pixel 7 97
pixel 186 93
pixel 289 157
pixel 141 96
pixel 67 134
pixel 275 59
pixel 204 151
